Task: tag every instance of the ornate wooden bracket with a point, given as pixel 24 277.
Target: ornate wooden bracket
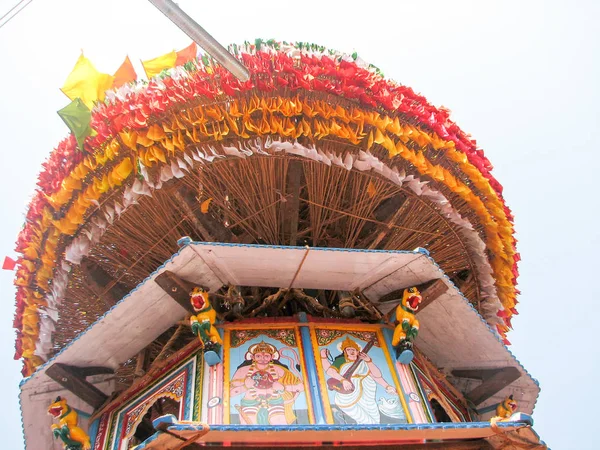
pixel 73 379
pixel 177 288
pixel 494 380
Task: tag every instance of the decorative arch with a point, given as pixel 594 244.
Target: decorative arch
pixel 177 386
pixel 147 406
pixel 147 415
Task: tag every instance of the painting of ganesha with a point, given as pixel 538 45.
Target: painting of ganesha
pixel 267 386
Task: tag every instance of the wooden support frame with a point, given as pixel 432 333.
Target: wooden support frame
pixel 73 379
pixel 494 380
pixel 388 211
pixel 89 371
pixel 141 362
pixel 209 227
pixel 101 283
pixel 186 205
pixel 292 194
pixel 177 288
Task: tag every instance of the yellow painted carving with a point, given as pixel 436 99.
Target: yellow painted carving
pixel 67 429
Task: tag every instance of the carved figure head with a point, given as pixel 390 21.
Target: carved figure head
pixel 411 299
pixel 510 404
pixel 58 408
pixel 199 299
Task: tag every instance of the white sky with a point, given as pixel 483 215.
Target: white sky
pixel 521 77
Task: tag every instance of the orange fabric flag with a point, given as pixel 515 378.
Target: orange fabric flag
pixel 187 54
pixel 124 74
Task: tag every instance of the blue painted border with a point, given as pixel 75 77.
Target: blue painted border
pixel 311 371
pixel 176 426
pixel 93 430
pixel 358 427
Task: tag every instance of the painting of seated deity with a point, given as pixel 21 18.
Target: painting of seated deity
pixel 358 387
pixel 267 378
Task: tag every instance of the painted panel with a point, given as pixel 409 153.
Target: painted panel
pixel 358 383
pixel 265 377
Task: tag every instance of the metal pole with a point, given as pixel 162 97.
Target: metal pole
pixel 199 35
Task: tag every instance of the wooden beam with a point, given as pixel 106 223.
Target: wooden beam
pixel 494 380
pixel 177 288
pixel 141 362
pixel 193 216
pixel 215 230
pixel 101 283
pixel 388 207
pixel 69 378
pixel 292 194
pixel 388 211
pixel 430 291
pixel 94 370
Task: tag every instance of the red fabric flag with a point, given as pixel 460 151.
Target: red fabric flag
pixel 124 74
pixel 187 54
pixel 9 263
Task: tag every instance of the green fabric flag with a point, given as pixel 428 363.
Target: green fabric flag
pixel 78 118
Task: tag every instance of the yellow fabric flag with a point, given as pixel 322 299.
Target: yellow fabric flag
pixel 86 83
pixel 155 66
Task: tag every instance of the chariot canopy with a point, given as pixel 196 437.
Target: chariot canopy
pixel 316 192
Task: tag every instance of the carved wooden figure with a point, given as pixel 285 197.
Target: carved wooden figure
pixel 67 429
pixel 202 325
pixel 407 325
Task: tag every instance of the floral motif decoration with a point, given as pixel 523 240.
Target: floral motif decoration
pixel 326 336
pixel 286 336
